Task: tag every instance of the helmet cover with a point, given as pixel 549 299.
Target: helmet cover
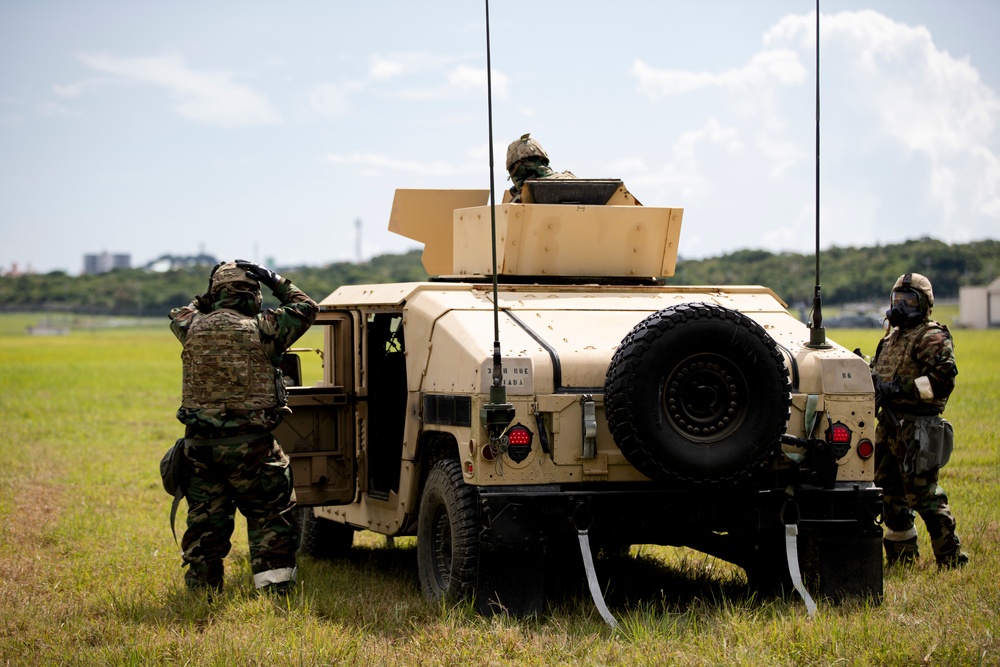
pixel 523 148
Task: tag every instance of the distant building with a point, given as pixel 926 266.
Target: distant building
pixel 93 264
pixel 979 307
pixel 174 262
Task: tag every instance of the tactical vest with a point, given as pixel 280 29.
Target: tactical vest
pixel 225 364
pixel 896 355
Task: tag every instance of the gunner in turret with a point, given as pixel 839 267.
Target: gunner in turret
pixel 526 159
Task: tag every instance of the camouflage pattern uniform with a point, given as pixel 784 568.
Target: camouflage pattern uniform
pixel 229 409
pixel 920 360
pixel 526 159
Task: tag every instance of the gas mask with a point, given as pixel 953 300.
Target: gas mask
pixel 904 309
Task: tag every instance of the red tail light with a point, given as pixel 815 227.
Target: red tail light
pixel 519 435
pixel 866 449
pixel 838 434
pixel 518 442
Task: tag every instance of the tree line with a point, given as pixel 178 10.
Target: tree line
pixel 848 275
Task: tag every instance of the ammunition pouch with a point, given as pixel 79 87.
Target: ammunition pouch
pixel 933 442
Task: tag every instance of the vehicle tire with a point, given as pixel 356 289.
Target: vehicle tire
pixel 697 393
pixel 447 534
pixel 322 538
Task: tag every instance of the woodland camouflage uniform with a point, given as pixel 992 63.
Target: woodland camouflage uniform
pixel 233 399
pixel 914 367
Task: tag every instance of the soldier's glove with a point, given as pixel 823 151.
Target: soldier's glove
pixel 203 303
pixel 885 392
pixel 265 277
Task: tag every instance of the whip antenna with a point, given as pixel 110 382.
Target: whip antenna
pixel 817 334
pixel 498 412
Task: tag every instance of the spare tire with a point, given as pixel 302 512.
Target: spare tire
pixel 697 393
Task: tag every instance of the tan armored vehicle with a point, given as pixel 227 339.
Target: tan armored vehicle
pixel 632 411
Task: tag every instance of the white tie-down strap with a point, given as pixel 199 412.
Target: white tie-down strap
pixel 277 576
pixel 592 583
pixel 792 553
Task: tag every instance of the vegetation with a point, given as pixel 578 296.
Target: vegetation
pixel 89 574
pixel 138 292
pixel 849 275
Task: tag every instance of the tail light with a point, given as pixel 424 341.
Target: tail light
pixel 518 442
pixel 866 449
pixel 838 434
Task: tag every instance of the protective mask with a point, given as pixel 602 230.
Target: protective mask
pixel 905 310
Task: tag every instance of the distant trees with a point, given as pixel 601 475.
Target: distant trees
pixel 850 274
pixel 847 275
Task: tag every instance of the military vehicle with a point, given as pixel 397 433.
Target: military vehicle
pixel 633 412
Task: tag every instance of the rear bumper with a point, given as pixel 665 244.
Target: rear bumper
pixel 645 514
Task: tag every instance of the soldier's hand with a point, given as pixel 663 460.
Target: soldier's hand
pixel 203 303
pixel 885 392
pixel 264 276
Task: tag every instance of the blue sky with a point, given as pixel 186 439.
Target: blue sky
pixel 264 130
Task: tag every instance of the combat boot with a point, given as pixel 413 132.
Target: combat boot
pixel 205 576
pixel 952 561
pixel 901 552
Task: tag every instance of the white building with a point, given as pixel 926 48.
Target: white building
pixel 979 307
pixel 105 262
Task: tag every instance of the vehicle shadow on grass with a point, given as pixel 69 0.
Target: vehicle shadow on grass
pixel 377 589
pixel 374 587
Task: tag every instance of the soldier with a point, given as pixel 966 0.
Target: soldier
pixel 233 397
pixel 527 159
pixel 914 372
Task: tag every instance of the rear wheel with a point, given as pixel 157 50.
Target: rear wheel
pixel 322 538
pixel 447 534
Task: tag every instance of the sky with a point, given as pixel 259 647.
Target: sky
pixel 265 130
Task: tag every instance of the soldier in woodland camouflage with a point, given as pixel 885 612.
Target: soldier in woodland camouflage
pixel 233 397
pixel 526 159
pixel 914 371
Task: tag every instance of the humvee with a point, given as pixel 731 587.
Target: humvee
pixel 632 411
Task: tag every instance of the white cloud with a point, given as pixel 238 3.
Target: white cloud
pixel 929 102
pixel 783 154
pixel 780 66
pixel 207 97
pixel 465 77
pixel 681 174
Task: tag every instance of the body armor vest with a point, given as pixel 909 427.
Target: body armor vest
pixel 896 356
pixel 225 365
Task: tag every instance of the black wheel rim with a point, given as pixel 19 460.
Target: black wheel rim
pixel 705 398
pixel 442 548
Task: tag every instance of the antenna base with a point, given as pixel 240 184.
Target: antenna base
pixel 498 413
pixel 817 338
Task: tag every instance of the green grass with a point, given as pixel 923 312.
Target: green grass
pixel 89 574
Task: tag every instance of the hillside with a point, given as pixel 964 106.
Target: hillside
pixel 848 275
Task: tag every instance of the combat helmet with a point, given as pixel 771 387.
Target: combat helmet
pixel 919 284
pixel 523 148
pixel 228 273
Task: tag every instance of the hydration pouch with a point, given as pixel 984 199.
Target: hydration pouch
pixel 934 440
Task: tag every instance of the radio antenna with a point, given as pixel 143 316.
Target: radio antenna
pixel 817 334
pixel 498 411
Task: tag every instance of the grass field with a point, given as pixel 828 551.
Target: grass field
pixel 89 573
